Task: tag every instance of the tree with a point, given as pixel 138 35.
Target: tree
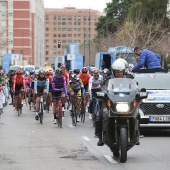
pixel 116 12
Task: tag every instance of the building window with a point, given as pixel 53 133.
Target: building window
pixel 63 41
pixel 74 23
pixel 46 23
pixel 69 23
pixel 10 14
pixel 59 17
pixel 3 4
pixel 78 29
pixel 75 29
pixel 47 29
pixel 55 18
pixel 59 29
pixel 47 41
pixel 47 46
pixel 54 52
pixel 84 23
pixel 3 14
pixel 69 18
pixel 47 35
pixel 63 17
pixel 47 18
pixel 55 41
pixel 79 35
pixel 59 23
pixel 69 41
pixel 69 35
pixel 46 52
pixel 54 35
pixel 63 23
pixel 55 29
pixel 63 35
pixel 54 23
pixel 75 17
pixel 79 23
pixel 75 35
pixel 54 46
pixel 69 29
pixel 84 18
pixel 59 35
pixel 63 29
pixel 79 18
pixel 79 41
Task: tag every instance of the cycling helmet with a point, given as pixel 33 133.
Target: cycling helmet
pixel 58 72
pixel 76 71
pixel 50 72
pixel 118 66
pixel 124 61
pixel 36 72
pixel 92 69
pixel 19 72
pixel 96 73
pixel 62 67
pixel 32 71
pixel 105 71
pixel 47 73
pixel 74 77
pixel 41 71
pixel 84 70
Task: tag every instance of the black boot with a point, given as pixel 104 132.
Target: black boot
pixel 96 129
pixel 100 142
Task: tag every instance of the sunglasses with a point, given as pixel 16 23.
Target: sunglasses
pixel 84 72
pixel 96 75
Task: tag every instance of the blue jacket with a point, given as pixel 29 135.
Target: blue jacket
pixel 148 59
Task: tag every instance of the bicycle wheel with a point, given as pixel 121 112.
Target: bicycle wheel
pixel 48 103
pixel 74 115
pixel 41 113
pixel 59 116
pixel 82 112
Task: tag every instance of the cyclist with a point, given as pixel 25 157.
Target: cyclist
pixel 41 85
pixel 65 73
pixel 94 86
pixel 49 75
pixel 11 75
pixel 85 77
pixel 18 85
pixel 76 87
pixel 59 88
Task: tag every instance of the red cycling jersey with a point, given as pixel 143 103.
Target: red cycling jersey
pixel 18 81
pixel 66 75
pixel 85 78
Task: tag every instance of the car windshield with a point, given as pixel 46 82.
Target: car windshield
pixel 123 85
pixel 153 81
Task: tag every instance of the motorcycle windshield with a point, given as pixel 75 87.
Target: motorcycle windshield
pixel 122 85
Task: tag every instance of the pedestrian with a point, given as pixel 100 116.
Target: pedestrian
pixel 147 59
pixel 103 65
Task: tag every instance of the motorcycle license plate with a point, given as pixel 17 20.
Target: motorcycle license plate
pixel 159 119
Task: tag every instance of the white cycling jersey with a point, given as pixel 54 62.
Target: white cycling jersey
pixel 95 84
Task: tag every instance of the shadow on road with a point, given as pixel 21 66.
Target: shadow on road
pixel 155 132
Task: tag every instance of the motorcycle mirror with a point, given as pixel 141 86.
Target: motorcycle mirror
pixel 143 95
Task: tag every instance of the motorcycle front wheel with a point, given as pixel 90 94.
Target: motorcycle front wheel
pixel 123 144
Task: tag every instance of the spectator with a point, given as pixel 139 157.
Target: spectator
pixel 103 65
pixel 147 59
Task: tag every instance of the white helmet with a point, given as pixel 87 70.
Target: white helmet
pixel 118 65
pixel 124 61
pixel 92 69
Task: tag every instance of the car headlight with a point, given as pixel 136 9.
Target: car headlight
pixel 122 107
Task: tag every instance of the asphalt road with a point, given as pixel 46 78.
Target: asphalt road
pixel 25 144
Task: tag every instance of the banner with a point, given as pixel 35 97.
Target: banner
pixel 70 56
pixel 15 57
pixel 6 61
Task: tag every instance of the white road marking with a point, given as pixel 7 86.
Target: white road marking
pixel 72 126
pixel 110 159
pixel 85 138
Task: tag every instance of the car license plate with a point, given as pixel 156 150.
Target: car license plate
pixel 159 119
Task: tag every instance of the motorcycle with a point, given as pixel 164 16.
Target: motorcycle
pixel 120 115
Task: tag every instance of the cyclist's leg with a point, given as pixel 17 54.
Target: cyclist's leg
pixel 44 98
pixel 71 98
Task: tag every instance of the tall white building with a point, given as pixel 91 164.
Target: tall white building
pixel 168 10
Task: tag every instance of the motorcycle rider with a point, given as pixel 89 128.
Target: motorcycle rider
pixel 118 71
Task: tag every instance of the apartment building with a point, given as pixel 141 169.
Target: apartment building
pixel 23 25
pixel 168 9
pixel 67 25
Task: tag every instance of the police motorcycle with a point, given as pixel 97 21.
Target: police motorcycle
pixel 120 118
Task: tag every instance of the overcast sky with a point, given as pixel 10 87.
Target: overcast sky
pixel 92 4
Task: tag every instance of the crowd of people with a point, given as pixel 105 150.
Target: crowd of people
pixel 83 83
